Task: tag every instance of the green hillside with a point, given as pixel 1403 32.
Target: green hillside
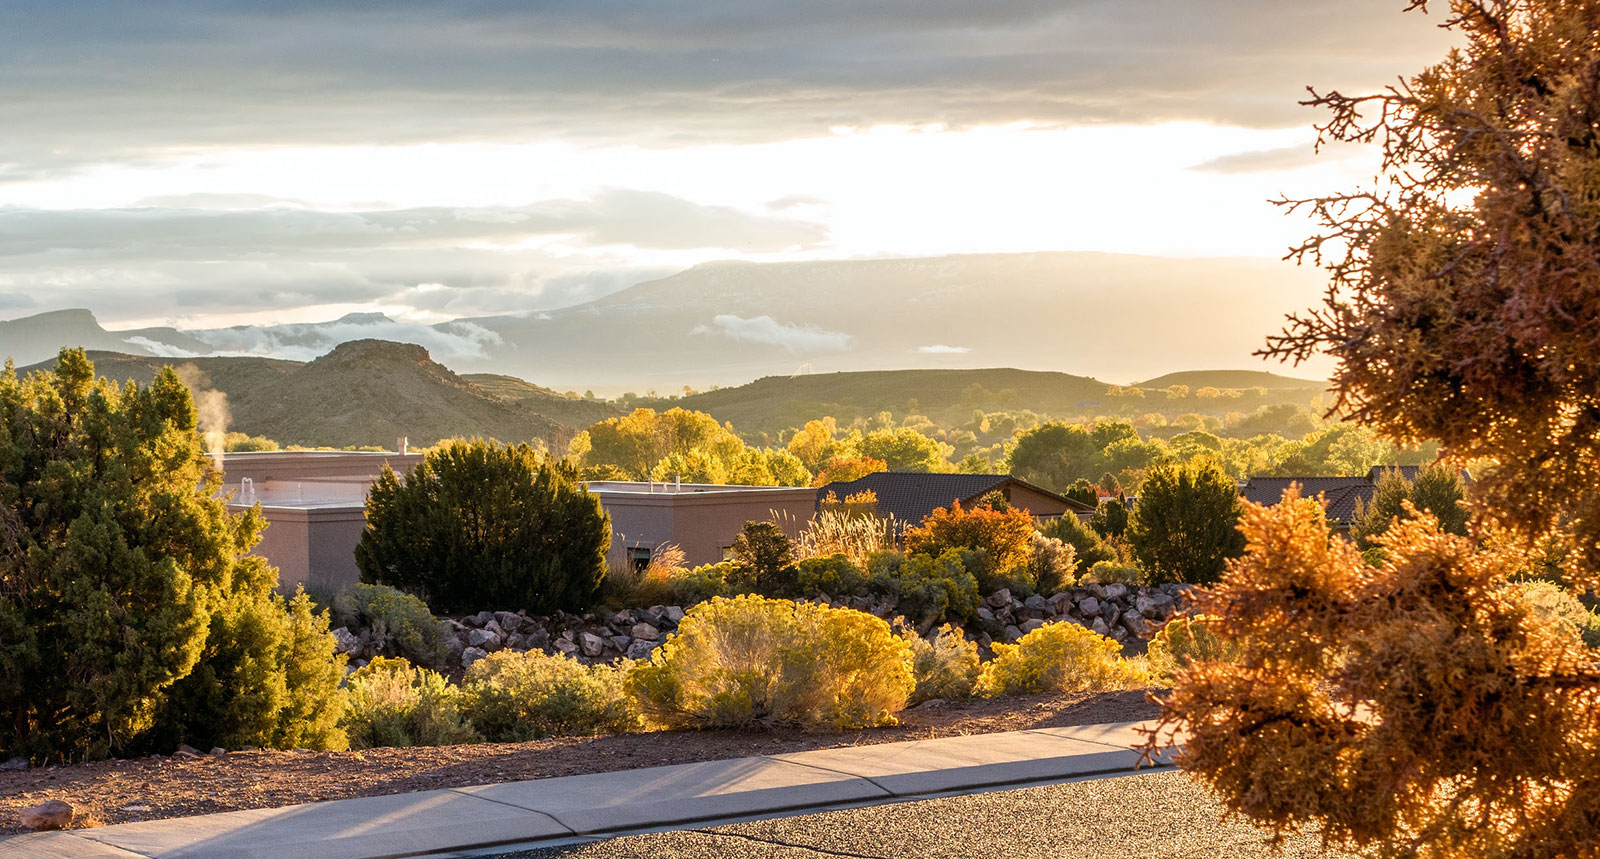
pixel 576 413
pixel 768 406
pixel 366 392
pixel 1225 379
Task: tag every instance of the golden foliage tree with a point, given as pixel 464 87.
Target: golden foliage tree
pixel 1422 707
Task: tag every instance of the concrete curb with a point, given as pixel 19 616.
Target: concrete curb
pixel 561 809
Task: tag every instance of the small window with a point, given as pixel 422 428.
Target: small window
pixel 639 557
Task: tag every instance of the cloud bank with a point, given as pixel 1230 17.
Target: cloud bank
pixel 799 339
pixel 99 80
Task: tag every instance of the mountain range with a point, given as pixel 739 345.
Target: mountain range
pixel 374 392
pixel 1103 315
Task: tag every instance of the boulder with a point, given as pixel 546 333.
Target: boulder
pixel 481 619
pixel 1099 625
pixel 345 641
pixel 999 599
pixel 673 614
pixel 1036 603
pixel 623 619
pixel 984 614
pixel 566 646
pixel 508 621
pixel 1135 624
pixel 536 638
pixel 620 642
pixel 1111 613
pixel 639 649
pixel 484 639
pixel 1061 603
pixel 644 631
pixel 1013 633
pixel 53 814
pixel 1157 605
pixel 471 655
pixel 1114 591
pixel 14 764
pixel 1031 625
pixel 592 645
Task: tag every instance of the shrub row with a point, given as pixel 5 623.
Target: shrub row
pixel 740 662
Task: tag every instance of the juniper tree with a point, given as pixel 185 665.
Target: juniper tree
pixel 1417 706
pixel 484 526
pixel 122 574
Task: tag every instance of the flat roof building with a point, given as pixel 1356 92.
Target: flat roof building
pixel 314 502
pixel 702 519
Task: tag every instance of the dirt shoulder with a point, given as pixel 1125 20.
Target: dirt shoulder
pixel 151 788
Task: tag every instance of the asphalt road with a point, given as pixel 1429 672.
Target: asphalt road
pixel 1159 816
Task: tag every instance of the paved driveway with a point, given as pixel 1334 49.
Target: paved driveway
pixel 1155 816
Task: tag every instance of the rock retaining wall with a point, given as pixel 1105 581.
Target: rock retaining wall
pixel 1131 615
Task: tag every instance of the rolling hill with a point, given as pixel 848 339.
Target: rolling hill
pixel 365 392
pixel 1239 379
pixel 769 405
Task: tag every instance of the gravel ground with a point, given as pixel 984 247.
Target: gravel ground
pixel 158 787
pixel 1155 816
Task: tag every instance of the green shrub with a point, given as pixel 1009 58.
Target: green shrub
pixel 926 589
pixel 513 697
pixel 1184 640
pixel 1089 547
pixel 765 558
pixel 1110 519
pixel 1557 608
pixel 945 667
pixel 479 525
pixel 1053 564
pixel 834 575
pixel 1114 573
pixel 132 614
pixel 394 703
pixel 704 582
pixel 752 661
pixel 1059 657
pixel 400 624
pixel 267 677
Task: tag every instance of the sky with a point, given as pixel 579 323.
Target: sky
pixel 216 163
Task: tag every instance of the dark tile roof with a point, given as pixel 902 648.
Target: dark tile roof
pixel 1341 493
pixel 909 497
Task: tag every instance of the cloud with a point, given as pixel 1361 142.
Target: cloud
pixel 176 260
pixel 159 349
pixel 624 217
pixel 941 349
pixel 765 329
pixel 1263 160
pixel 305 341
pixel 103 80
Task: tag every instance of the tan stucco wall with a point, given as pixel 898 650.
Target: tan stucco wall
pixel 703 524
pixel 1033 502
pixel 315 547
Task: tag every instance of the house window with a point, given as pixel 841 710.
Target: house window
pixel 639 557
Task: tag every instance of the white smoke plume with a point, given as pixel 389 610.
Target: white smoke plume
pixel 212 405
